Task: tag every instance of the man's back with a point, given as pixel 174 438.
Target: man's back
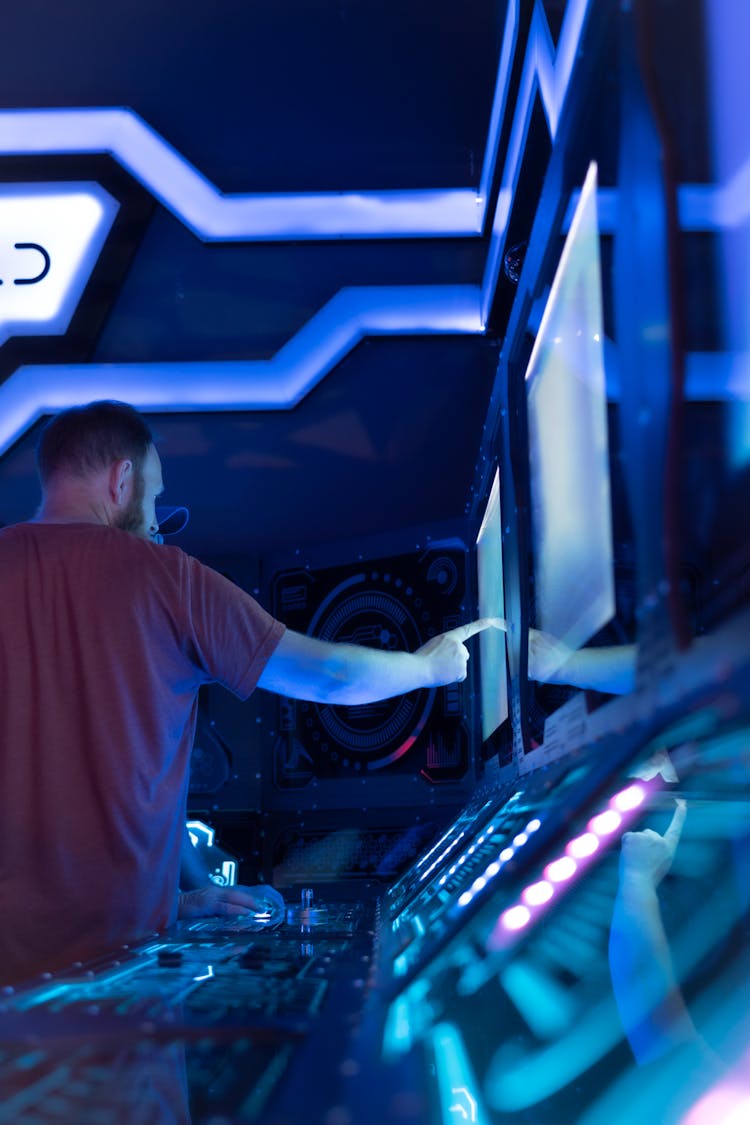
pixel 104 641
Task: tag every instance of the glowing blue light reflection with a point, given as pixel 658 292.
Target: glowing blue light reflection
pixel 273 384
pixel 211 214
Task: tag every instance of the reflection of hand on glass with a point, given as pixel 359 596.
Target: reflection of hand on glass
pixel 650 1003
pixel 601 669
pixel 658 764
pixel 646 856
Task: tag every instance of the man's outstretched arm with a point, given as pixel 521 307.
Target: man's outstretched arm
pixel 609 669
pixel 307 668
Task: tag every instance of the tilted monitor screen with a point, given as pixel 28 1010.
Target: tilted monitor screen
pixel 494 683
pixel 574 590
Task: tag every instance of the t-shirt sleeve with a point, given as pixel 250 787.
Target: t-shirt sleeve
pixel 232 635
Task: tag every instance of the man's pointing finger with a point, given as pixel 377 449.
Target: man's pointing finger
pixel 463 632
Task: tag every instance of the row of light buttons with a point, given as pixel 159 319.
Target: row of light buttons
pixel 578 855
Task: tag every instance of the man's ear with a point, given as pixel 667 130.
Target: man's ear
pixel 120 482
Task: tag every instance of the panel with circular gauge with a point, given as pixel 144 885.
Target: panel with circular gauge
pixel 390 604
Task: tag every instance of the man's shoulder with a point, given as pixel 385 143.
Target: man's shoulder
pixel 73 540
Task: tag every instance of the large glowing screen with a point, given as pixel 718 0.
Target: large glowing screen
pixel 567 414
pixel 494 684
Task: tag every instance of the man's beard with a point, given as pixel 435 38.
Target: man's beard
pixel 132 518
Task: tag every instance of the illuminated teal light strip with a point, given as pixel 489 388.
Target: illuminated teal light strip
pixel 278 383
pixel 198 830
pixel 459 1090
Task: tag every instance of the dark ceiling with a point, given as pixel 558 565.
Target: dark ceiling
pixel 304 95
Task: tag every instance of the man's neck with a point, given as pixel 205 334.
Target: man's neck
pixel 70 509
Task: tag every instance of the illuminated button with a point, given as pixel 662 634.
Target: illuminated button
pixel 516 918
pixel 605 822
pixel 533 825
pixel 629 798
pixel 506 854
pixel 583 845
pixel 465 898
pixel 538 893
pixel 561 869
pixel 492 870
pixel 520 839
pixel 479 884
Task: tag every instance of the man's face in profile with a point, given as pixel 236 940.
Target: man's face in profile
pixel 139 517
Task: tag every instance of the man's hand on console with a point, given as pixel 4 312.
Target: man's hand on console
pixel 232 902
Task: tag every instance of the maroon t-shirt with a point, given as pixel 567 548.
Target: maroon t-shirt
pixel 105 639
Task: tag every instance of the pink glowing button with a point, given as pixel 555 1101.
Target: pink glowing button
pixel 561 869
pixel 629 798
pixel 538 893
pixel 605 823
pixel 515 918
pixel 583 845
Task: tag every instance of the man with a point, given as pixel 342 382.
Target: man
pixel 105 639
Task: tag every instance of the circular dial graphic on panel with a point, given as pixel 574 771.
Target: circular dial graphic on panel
pixel 376 610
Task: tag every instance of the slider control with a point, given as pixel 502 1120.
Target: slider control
pixel 306 915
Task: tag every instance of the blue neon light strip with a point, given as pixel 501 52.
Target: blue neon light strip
pixel 278 383
pixel 701 207
pixel 213 215
pixel 284 380
pixel 497 115
pixel 550 74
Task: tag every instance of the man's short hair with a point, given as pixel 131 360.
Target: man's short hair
pixel 85 439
